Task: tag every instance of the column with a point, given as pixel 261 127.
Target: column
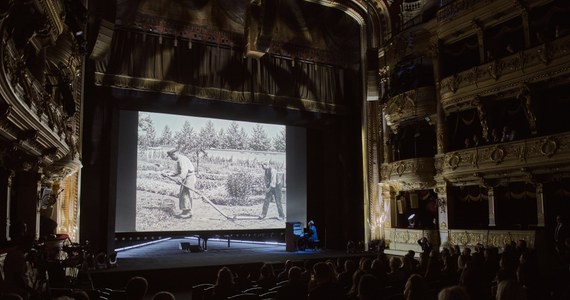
pixel 526 26
pixel 484 54
pixel 442 211
pixel 8 203
pixel 441 134
pixel 540 204
pixel 491 195
pixel 387 145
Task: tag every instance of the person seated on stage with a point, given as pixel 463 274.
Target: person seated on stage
pixel 312 235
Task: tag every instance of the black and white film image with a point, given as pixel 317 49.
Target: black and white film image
pixel 196 174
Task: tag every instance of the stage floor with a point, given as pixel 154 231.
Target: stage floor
pixel 167 254
pixel 167 267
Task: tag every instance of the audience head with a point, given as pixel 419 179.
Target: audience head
pixel 164 295
pixel 350 265
pixel 79 295
pixel 453 293
pixel 266 271
pixel 225 277
pixel 368 287
pixel 322 272
pixel 416 288
pixel 294 274
pixel 395 263
pixel 510 290
pixel 136 288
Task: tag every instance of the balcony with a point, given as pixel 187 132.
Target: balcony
pixel 415 173
pixel 505 76
pixel 490 238
pixel 409 105
pixel 518 160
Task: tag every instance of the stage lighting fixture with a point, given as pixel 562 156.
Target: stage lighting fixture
pixel 412 220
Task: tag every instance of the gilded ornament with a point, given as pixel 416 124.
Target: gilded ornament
pixel 454 161
pixel 497 154
pixel 548 147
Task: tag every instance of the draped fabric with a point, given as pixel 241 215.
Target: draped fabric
pixel 472 194
pixel 144 61
pixel 520 191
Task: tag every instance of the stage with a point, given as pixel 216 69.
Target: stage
pixel 167 266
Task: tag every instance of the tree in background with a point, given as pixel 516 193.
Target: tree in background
pixel 279 142
pixel 147 133
pixel 222 139
pixel 243 140
pixel 232 137
pixel 208 137
pixel 185 138
pixel 166 137
pixel 259 140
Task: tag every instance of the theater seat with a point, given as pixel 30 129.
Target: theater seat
pixel 245 296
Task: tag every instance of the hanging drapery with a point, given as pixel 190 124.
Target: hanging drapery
pixel 145 61
pixel 472 194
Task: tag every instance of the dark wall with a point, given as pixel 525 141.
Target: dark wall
pixel 97 187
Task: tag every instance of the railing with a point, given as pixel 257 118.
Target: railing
pixel 415 172
pixel 453 9
pixel 490 238
pixel 403 239
pixel 411 104
pixel 506 75
pixel 524 159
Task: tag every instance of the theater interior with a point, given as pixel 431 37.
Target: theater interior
pixel 394 120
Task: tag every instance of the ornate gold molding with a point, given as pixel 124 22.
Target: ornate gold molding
pixel 490 238
pixel 416 172
pixel 411 104
pixel 541 155
pixel 507 75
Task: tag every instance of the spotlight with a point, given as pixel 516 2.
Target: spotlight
pixel 412 220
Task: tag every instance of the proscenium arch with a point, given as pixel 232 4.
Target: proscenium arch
pixel 367 17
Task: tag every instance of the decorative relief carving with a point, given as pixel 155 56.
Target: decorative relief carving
pixel 544 54
pixel 453 83
pixel 454 160
pixel 442 204
pixel 416 171
pixel 494 69
pixel 491 238
pixel 534 65
pixel 548 147
pixel 497 154
pixel 515 157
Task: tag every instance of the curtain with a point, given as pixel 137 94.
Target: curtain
pixel 161 62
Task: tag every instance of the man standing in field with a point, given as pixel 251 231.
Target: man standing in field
pixel 272 190
pixel 185 175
